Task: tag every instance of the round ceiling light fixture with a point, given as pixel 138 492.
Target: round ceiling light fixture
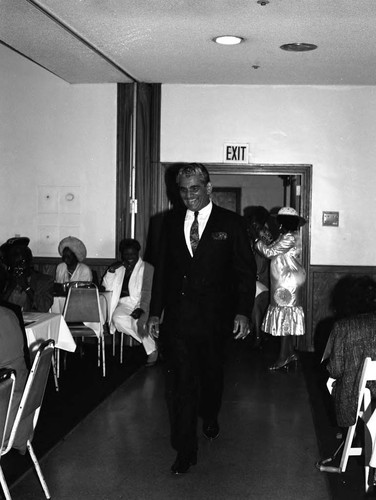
pixel 228 40
pixel 298 47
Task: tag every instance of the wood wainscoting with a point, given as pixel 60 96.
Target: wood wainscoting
pixel 47 265
pixel 320 313
pixel 321 282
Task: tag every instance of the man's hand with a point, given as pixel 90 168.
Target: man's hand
pixel 20 280
pixel 114 266
pixel 241 326
pixel 153 326
pixel 137 313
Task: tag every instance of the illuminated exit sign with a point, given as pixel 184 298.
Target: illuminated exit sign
pixel 236 153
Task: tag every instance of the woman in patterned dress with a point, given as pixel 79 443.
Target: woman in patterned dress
pixel 285 316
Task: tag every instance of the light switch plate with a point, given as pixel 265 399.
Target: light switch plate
pixel 330 219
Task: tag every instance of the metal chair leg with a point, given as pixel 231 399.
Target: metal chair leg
pixel 114 343
pixel 103 356
pixel 4 486
pixel 38 470
pixel 121 346
pixel 57 363
pixel 54 371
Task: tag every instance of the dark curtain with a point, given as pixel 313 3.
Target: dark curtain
pixel 147 156
pixel 123 159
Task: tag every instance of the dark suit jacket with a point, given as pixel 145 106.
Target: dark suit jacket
pixel 42 293
pixel 43 287
pixel 353 339
pixel 201 294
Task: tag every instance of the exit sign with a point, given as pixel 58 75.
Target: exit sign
pixel 236 153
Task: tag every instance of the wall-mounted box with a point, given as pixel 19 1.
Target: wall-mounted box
pixel 330 219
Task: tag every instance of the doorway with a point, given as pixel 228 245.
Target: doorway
pixel 289 185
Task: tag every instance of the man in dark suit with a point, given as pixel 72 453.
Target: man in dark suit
pixel 204 284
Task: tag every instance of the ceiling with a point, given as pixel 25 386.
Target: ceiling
pixel 170 41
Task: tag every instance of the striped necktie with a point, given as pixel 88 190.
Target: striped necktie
pixel 194 236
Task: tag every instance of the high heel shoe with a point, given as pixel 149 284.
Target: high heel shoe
pixel 293 358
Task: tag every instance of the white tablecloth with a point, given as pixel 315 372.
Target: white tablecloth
pixel 104 301
pixel 44 326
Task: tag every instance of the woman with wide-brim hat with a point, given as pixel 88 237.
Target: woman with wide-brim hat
pixel 285 316
pixel 73 252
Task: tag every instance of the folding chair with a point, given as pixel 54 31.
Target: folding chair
pixel 82 313
pixel 7 382
pixel 364 412
pixel 29 408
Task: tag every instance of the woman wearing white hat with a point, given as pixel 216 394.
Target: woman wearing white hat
pixel 73 252
pixel 285 316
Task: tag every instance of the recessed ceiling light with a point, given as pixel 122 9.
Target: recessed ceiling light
pixel 228 40
pixel 298 47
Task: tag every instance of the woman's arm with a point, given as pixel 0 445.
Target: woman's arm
pixel 278 247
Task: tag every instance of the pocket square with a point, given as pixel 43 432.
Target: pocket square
pixel 219 236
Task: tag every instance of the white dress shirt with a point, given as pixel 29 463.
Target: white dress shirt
pixel 203 216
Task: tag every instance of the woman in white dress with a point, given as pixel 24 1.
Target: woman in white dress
pixel 285 316
pixel 73 252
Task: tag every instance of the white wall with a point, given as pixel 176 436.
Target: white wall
pixel 58 135
pixel 63 137
pixel 332 128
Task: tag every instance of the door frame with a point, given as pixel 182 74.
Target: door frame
pixel 161 203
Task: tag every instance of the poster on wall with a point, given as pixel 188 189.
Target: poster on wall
pixel 69 200
pixel 59 213
pixel 48 199
pixel 48 240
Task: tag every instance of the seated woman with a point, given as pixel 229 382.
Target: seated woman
pixel 12 348
pixel 25 287
pixel 130 282
pixel 352 339
pixel 73 252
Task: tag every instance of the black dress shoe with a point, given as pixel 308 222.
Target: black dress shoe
pixel 211 429
pixel 182 463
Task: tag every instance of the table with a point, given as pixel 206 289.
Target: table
pixel 43 326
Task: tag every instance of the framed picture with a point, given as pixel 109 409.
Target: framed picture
pixel 227 197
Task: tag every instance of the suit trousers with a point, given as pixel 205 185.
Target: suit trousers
pixel 194 385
